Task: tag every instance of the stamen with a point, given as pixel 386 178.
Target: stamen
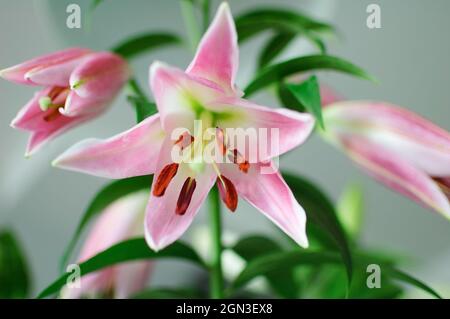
pixel 220 138
pixel 55 99
pixel 243 164
pixel 184 140
pixel 53 115
pixel 185 196
pixel 227 192
pixel 164 178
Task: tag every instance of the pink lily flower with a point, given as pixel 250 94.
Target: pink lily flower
pixel 397 147
pixel 120 221
pixel 78 86
pixel 205 92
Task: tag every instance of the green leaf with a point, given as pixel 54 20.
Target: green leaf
pixel 129 250
pixel 287 99
pixel 130 48
pixel 274 73
pixel 285 260
pixel 256 21
pixel 404 277
pixel 350 209
pixel 320 212
pixel 143 107
pixel 308 94
pixel 14 274
pixel 274 47
pixel 281 280
pixel 169 293
pixel 103 199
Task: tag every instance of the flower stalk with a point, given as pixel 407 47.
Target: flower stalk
pixel 216 274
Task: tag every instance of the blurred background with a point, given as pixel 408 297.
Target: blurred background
pixel 409 55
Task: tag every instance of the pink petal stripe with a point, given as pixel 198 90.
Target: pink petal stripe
pixel 275 131
pixel 100 76
pixel 163 225
pixel 264 188
pixel 411 137
pixel 397 174
pixel 56 66
pixel 131 153
pixel 179 96
pixel 217 56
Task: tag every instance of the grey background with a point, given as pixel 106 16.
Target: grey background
pixel 409 55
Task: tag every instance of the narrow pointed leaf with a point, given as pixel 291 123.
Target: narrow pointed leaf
pixel 274 47
pixel 14 273
pixel 308 94
pixel 256 21
pixel 129 250
pixel 320 212
pixel 106 196
pixel 404 277
pixel 145 42
pixel 284 260
pixel 277 72
pixel 287 99
pixel 281 280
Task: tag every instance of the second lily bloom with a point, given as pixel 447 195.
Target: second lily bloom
pixel 79 84
pixel 397 147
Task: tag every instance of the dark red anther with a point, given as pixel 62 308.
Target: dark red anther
pixel 185 196
pixel 164 178
pixel 227 192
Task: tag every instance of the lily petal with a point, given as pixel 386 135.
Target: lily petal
pixel 217 57
pixel 100 76
pixel 76 105
pixel 179 96
pixel 50 69
pixel 264 188
pixel 396 173
pixel 401 132
pixel 39 138
pixel 277 130
pixel 163 225
pixel 131 278
pixel 131 153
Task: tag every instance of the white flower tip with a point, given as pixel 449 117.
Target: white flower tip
pixel 157 65
pixel 224 6
pixel 13 123
pixel 304 243
pixel 55 162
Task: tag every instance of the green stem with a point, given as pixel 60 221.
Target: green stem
pixel 216 274
pixel 190 20
pixel 135 89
